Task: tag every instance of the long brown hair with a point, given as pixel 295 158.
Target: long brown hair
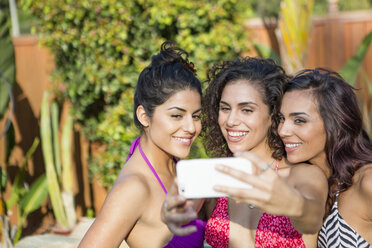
pixel 348 146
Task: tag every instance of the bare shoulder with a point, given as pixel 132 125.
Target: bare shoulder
pixel 122 208
pixel 310 180
pixel 129 197
pixel 308 172
pixel 132 186
pixel 365 181
pixel 131 181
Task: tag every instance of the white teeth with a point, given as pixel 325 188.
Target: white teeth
pixel 291 145
pixel 236 134
pixel 182 139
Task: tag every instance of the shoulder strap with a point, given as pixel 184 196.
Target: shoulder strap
pixel 133 147
pixel 151 168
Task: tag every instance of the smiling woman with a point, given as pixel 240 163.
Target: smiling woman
pixel 243 116
pixel 167 108
pixel 321 123
pixel 303 122
pixel 285 203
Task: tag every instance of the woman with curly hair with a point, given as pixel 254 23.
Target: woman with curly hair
pixel 241 108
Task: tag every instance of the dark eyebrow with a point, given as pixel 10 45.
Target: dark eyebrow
pixel 298 113
pixel 178 108
pixel 241 103
pixel 183 110
pixel 196 111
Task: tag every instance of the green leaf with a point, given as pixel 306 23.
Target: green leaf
pixel 67 169
pixel 47 148
pixel 54 111
pixel 31 150
pixel 350 70
pixel 266 52
pixel 33 199
pixel 3 180
pixel 17 187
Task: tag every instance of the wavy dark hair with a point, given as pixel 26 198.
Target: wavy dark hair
pixel 169 72
pixel 348 146
pixel 268 77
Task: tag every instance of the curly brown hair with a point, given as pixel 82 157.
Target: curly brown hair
pixel 266 76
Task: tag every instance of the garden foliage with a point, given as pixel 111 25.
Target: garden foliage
pixel 100 47
pixel 7 64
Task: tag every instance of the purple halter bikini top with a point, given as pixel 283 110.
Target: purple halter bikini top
pixel 194 240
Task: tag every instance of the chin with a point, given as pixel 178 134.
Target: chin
pixel 237 148
pixel 182 154
pixel 294 159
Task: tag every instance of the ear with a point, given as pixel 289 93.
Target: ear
pixel 142 116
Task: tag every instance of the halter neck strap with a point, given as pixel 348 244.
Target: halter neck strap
pixel 133 146
pixel 151 168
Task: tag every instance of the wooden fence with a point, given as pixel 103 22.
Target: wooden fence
pixel 333 40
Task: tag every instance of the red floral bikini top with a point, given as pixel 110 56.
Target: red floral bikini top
pixel 272 231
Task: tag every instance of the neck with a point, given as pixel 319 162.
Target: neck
pixel 159 159
pixel 264 151
pixel 322 163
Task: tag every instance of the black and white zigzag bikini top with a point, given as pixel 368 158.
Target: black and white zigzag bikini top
pixel 336 232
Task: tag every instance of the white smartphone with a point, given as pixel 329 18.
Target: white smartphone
pixel 196 177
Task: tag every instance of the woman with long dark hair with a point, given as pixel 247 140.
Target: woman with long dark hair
pixel 344 152
pixel 167 109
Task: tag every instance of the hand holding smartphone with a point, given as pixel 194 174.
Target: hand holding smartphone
pixel 196 177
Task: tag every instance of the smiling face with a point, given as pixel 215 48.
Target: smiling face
pixel 243 116
pixel 175 124
pixel 302 128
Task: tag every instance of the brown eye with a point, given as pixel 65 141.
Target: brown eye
pixel 176 116
pixel 247 110
pixel 299 120
pixel 196 117
pixel 223 108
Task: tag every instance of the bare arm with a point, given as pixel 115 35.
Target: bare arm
pixel 310 240
pixel 312 189
pixel 365 185
pixel 303 200
pixel 123 206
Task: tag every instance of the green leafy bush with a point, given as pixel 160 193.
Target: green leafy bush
pixel 100 47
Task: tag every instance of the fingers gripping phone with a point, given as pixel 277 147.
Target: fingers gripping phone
pixel 196 177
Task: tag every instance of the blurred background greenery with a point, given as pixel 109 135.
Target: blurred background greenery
pixel 101 46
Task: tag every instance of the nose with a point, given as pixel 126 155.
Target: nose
pixel 232 119
pixel 284 129
pixel 189 125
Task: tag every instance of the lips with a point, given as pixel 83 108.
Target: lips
pixel 291 146
pixel 236 135
pixel 186 141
